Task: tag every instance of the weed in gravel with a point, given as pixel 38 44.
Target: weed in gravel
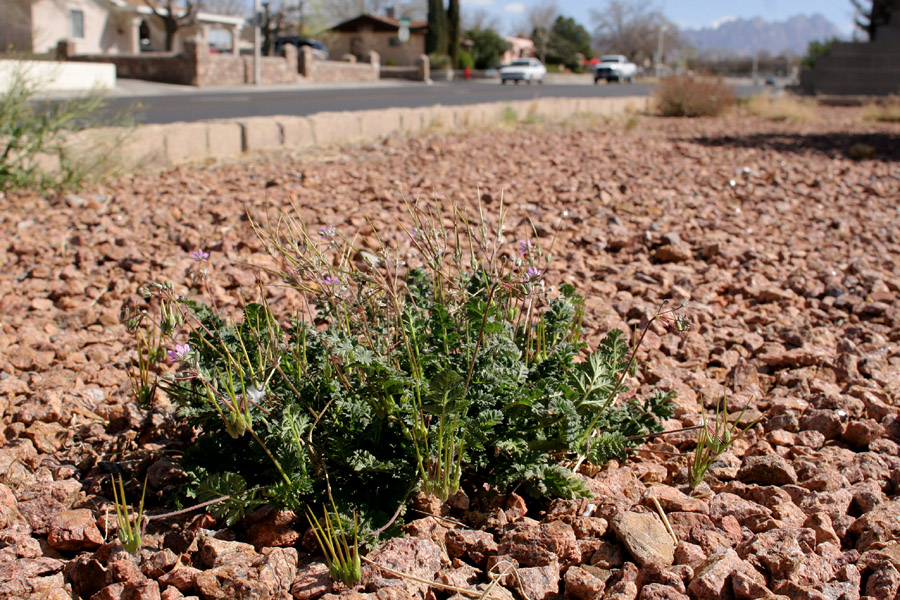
pixel 713 442
pixel 341 555
pixel 452 360
pixel 887 111
pixel 782 108
pixel 688 96
pixel 37 148
pixel 130 526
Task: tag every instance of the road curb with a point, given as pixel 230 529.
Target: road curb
pixel 173 144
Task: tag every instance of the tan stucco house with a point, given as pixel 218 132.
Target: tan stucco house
pixel 99 26
pixel 366 33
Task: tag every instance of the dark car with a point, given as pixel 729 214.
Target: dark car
pixel 319 49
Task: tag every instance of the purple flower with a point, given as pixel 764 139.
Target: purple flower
pixel 199 255
pixel 525 246
pixel 328 233
pixel 330 280
pixel 413 234
pixel 179 353
pixel 532 273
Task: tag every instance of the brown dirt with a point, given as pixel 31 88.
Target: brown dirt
pixel 787 248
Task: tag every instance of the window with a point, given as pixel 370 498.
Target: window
pixel 76 24
pixel 394 41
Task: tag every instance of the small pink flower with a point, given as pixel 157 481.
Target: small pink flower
pixel 329 233
pixel 331 280
pixel 179 353
pixel 199 255
pixel 532 273
pixel 525 247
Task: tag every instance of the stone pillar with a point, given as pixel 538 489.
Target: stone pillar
pixel 134 41
pixel 235 40
pixel 192 55
pixel 424 68
pixel 306 62
pixel 373 58
pixel 289 51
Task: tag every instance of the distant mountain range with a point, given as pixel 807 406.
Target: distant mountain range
pixel 746 36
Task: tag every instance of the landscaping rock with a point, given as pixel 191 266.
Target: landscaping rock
pixel 645 538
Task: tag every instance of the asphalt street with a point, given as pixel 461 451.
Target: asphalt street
pixel 170 108
pixel 150 103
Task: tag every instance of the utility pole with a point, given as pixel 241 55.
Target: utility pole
pixel 257 60
pixel 659 50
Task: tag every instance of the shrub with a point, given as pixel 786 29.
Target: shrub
pixel 439 62
pixel 37 149
pixel 688 96
pixel 782 108
pixel 451 362
pixel 887 111
pixel 465 60
pixel 816 49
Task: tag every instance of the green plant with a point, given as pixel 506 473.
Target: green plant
pixel 130 526
pixel 487 47
pixel 439 62
pixel 817 49
pixel 465 60
pixel 712 443
pixel 37 149
pixel 686 96
pixel 341 556
pixel 451 361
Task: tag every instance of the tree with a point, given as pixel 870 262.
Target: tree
pixel 175 16
pixel 273 22
pixel 567 41
pixel 453 31
pixel 633 29
pixel 478 19
pixel 436 38
pixel 876 14
pixel 487 47
pixel 539 21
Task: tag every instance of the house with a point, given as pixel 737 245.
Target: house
pixel 366 33
pixel 100 26
pixel 518 47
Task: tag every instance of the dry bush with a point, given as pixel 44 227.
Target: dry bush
pixel 887 111
pixel 782 108
pixel 688 96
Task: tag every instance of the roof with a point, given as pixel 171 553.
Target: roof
pixel 376 23
pixel 142 7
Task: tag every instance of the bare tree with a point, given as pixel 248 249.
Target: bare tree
pixel 175 16
pixel 538 22
pixel 479 19
pixel 272 23
pixel 632 28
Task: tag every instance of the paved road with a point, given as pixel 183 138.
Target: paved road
pixel 305 101
pixel 155 103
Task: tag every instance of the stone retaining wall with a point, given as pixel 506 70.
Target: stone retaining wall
pixel 164 146
pixel 195 66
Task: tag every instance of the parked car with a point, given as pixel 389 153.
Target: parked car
pixel 615 67
pixel 319 49
pixel 523 69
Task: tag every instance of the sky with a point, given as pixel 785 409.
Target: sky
pixel 684 13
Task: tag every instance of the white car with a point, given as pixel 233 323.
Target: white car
pixel 615 67
pixel 524 69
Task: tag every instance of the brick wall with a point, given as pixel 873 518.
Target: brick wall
pixel 333 71
pixel 196 66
